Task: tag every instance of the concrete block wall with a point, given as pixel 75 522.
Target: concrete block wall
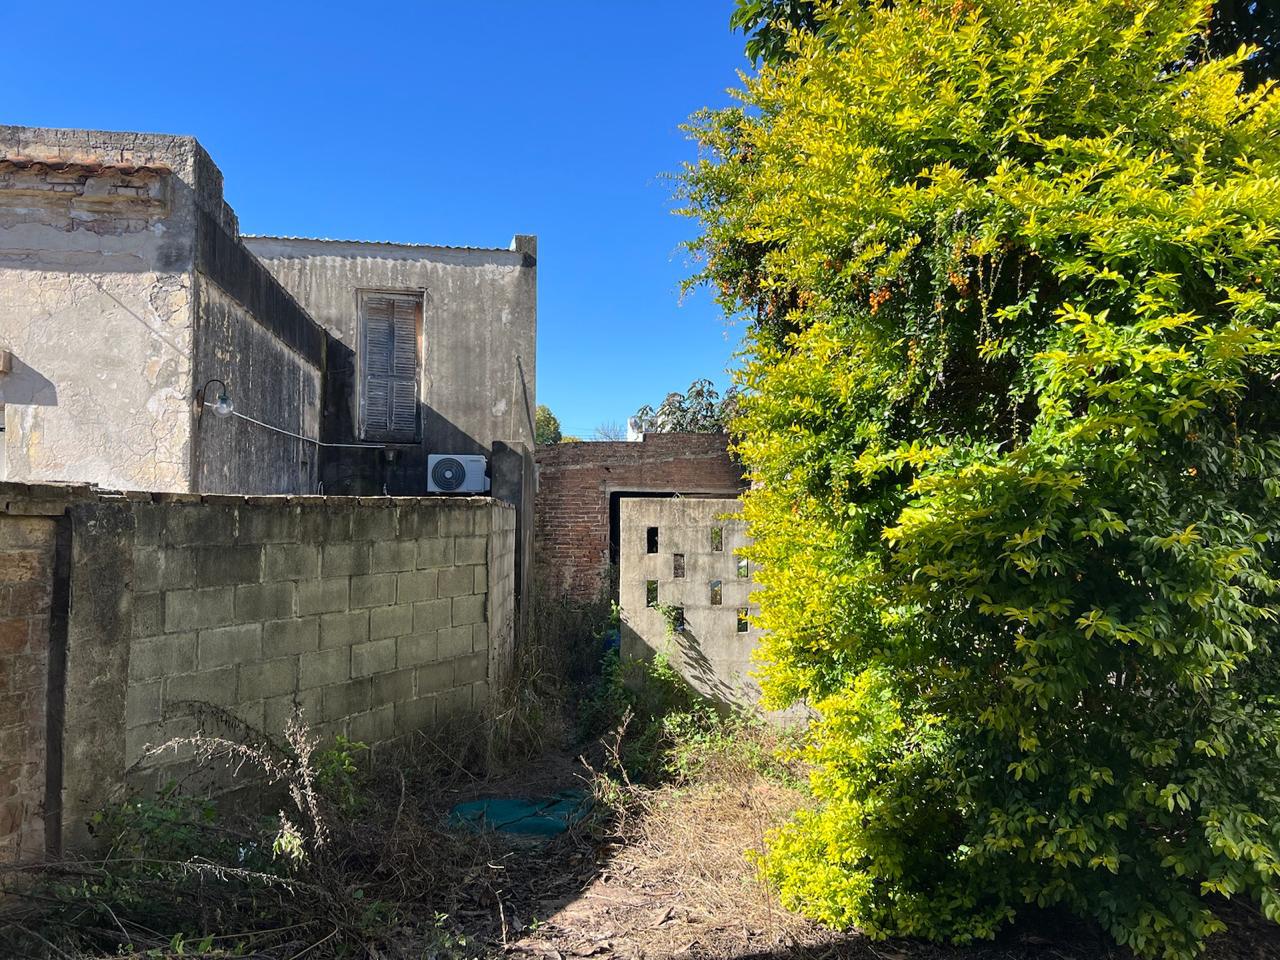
pixel 502 609
pixel 26 593
pixel 576 482
pixel 373 616
pixel 670 543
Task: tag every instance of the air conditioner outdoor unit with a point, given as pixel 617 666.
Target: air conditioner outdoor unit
pixel 456 473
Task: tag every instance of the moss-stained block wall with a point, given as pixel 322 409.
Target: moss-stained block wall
pixel 26 587
pixel 374 617
pixel 370 618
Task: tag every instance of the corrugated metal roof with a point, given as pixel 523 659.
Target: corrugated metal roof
pixel 376 243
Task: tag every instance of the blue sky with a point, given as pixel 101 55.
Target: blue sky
pixel 435 122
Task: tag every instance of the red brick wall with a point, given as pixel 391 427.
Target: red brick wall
pixel 575 480
pixel 26 583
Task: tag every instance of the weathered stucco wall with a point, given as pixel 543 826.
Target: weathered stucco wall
pixel 96 248
pixel 123 289
pixel 710 651
pixel 252 335
pixel 267 381
pixel 375 616
pixel 477 393
pixel 480 326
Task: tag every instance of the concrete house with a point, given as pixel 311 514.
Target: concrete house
pixel 130 304
pixel 468 315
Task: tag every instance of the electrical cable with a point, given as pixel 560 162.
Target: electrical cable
pixel 298 436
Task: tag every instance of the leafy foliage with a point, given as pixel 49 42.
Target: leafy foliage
pixel 672 617
pixel 667 731
pixel 1256 23
pixel 1252 22
pixel 1013 269
pixel 700 409
pixel 768 24
pixel 337 773
pixel 546 427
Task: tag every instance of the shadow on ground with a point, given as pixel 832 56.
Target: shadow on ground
pixel 671 882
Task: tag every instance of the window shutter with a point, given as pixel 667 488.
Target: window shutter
pixel 389 368
pixel 404 369
pixel 404 319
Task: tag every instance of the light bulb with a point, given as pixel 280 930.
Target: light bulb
pixel 223 406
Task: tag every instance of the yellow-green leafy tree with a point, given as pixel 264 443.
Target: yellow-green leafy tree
pixel 1012 400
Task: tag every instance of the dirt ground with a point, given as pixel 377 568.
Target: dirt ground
pixel 673 880
pixel 654 874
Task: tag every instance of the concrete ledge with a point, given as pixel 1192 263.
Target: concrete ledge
pixel 43 498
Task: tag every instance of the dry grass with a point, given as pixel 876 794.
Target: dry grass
pixel 677 882
pixel 691 853
pixel 662 873
pixel 676 878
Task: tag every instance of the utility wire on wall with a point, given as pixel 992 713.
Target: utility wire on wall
pixel 298 436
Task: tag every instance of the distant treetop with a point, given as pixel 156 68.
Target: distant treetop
pixel 546 427
pixel 700 409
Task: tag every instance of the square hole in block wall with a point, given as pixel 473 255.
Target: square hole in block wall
pixel 742 568
pixel 717 539
pixel 743 624
pixel 677 565
pixel 651 539
pixel 651 593
pixel 715 593
pixel 677 619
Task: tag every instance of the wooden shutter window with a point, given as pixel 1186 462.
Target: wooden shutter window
pixel 389 369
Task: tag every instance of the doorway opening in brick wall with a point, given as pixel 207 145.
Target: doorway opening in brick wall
pixel 615 498
pixel 615 522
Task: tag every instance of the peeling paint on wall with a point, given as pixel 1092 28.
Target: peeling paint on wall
pixel 96 307
pixel 109 307
pixel 101 381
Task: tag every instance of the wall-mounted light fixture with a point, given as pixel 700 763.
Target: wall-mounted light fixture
pixel 217 400
pixel 221 404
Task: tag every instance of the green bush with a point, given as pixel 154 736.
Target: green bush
pixel 635 699
pixel 669 731
pixel 1011 271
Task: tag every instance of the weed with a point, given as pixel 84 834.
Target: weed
pixel 556 667
pixel 672 616
pixel 665 730
pixel 177 870
pixel 336 772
